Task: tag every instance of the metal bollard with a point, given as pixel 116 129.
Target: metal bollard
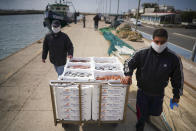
pixel 193 52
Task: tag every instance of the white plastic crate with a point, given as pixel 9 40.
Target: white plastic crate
pixel 67 102
pixel 106 60
pixel 80 59
pixel 112 102
pixel 76 65
pixel 77 75
pixel 106 67
pixel 101 74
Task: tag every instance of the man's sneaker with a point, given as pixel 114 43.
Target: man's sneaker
pixel 139 126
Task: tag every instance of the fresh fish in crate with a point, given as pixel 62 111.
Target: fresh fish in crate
pixel 77 74
pixel 73 60
pixel 109 77
pixel 78 67
pixel 107 67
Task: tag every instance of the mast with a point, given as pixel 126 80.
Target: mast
pixel 138 9
pixel 110 7
pixel 118 7
pixel 106 6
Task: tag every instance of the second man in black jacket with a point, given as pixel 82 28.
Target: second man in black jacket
pixel 59 47
pixel 155 66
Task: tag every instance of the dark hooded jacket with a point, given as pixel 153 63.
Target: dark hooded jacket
pixel 59 46
pixel 154 70
pixel 96 19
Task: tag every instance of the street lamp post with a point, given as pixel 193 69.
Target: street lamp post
pixel 193 52
pixel 106 6
pixel 118 7
pixel 110 6
pixel 156 11
pixel 138 9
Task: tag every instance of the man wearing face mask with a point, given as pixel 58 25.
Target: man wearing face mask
pixel 155 65
pixel 59 47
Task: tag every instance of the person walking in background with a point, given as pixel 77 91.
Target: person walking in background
pixel 59 47
pixel 75 17
pixel 155 65
pixel 96 21
pixel 84 21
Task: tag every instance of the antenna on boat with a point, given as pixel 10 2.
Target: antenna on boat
pixel 71 4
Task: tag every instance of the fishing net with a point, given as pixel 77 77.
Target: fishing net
pixel 114 40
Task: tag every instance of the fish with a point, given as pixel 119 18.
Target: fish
pixel 77 74
pixel 109 77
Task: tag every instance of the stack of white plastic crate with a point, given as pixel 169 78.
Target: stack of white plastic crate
pixel 67 98
pixel 112 99
pixel 67 102
pixel 79 73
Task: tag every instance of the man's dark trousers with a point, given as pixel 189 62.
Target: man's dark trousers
pixel 147 105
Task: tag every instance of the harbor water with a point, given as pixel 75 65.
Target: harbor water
pixel 18 31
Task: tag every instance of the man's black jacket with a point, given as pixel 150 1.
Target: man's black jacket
pixel 154 70
pixel 59 46
pixel 96 19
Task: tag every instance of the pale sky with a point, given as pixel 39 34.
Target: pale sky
pixel 94 5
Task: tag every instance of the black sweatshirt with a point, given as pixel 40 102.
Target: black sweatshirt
pixel 154 70
pixel 59 46
pixel 96 19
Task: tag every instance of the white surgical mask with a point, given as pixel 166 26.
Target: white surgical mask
pixel 159 48
pixel 56 30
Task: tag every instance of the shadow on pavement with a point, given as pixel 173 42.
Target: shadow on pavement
pixel 102 127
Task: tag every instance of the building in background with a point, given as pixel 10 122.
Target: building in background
pixel 160 18
pixel 166 8
pixel 163 14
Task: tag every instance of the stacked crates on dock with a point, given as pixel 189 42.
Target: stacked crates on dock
pixel 100 100
pixel 67 102
pixel 112 98
pixel 78 69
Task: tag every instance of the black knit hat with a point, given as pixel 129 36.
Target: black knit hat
pixel 56 23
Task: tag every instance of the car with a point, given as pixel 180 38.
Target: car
pixel 120 20
pixel 138 23
pixel 116 22
pixel 132 19
pixel 190 26
pixel 109 19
